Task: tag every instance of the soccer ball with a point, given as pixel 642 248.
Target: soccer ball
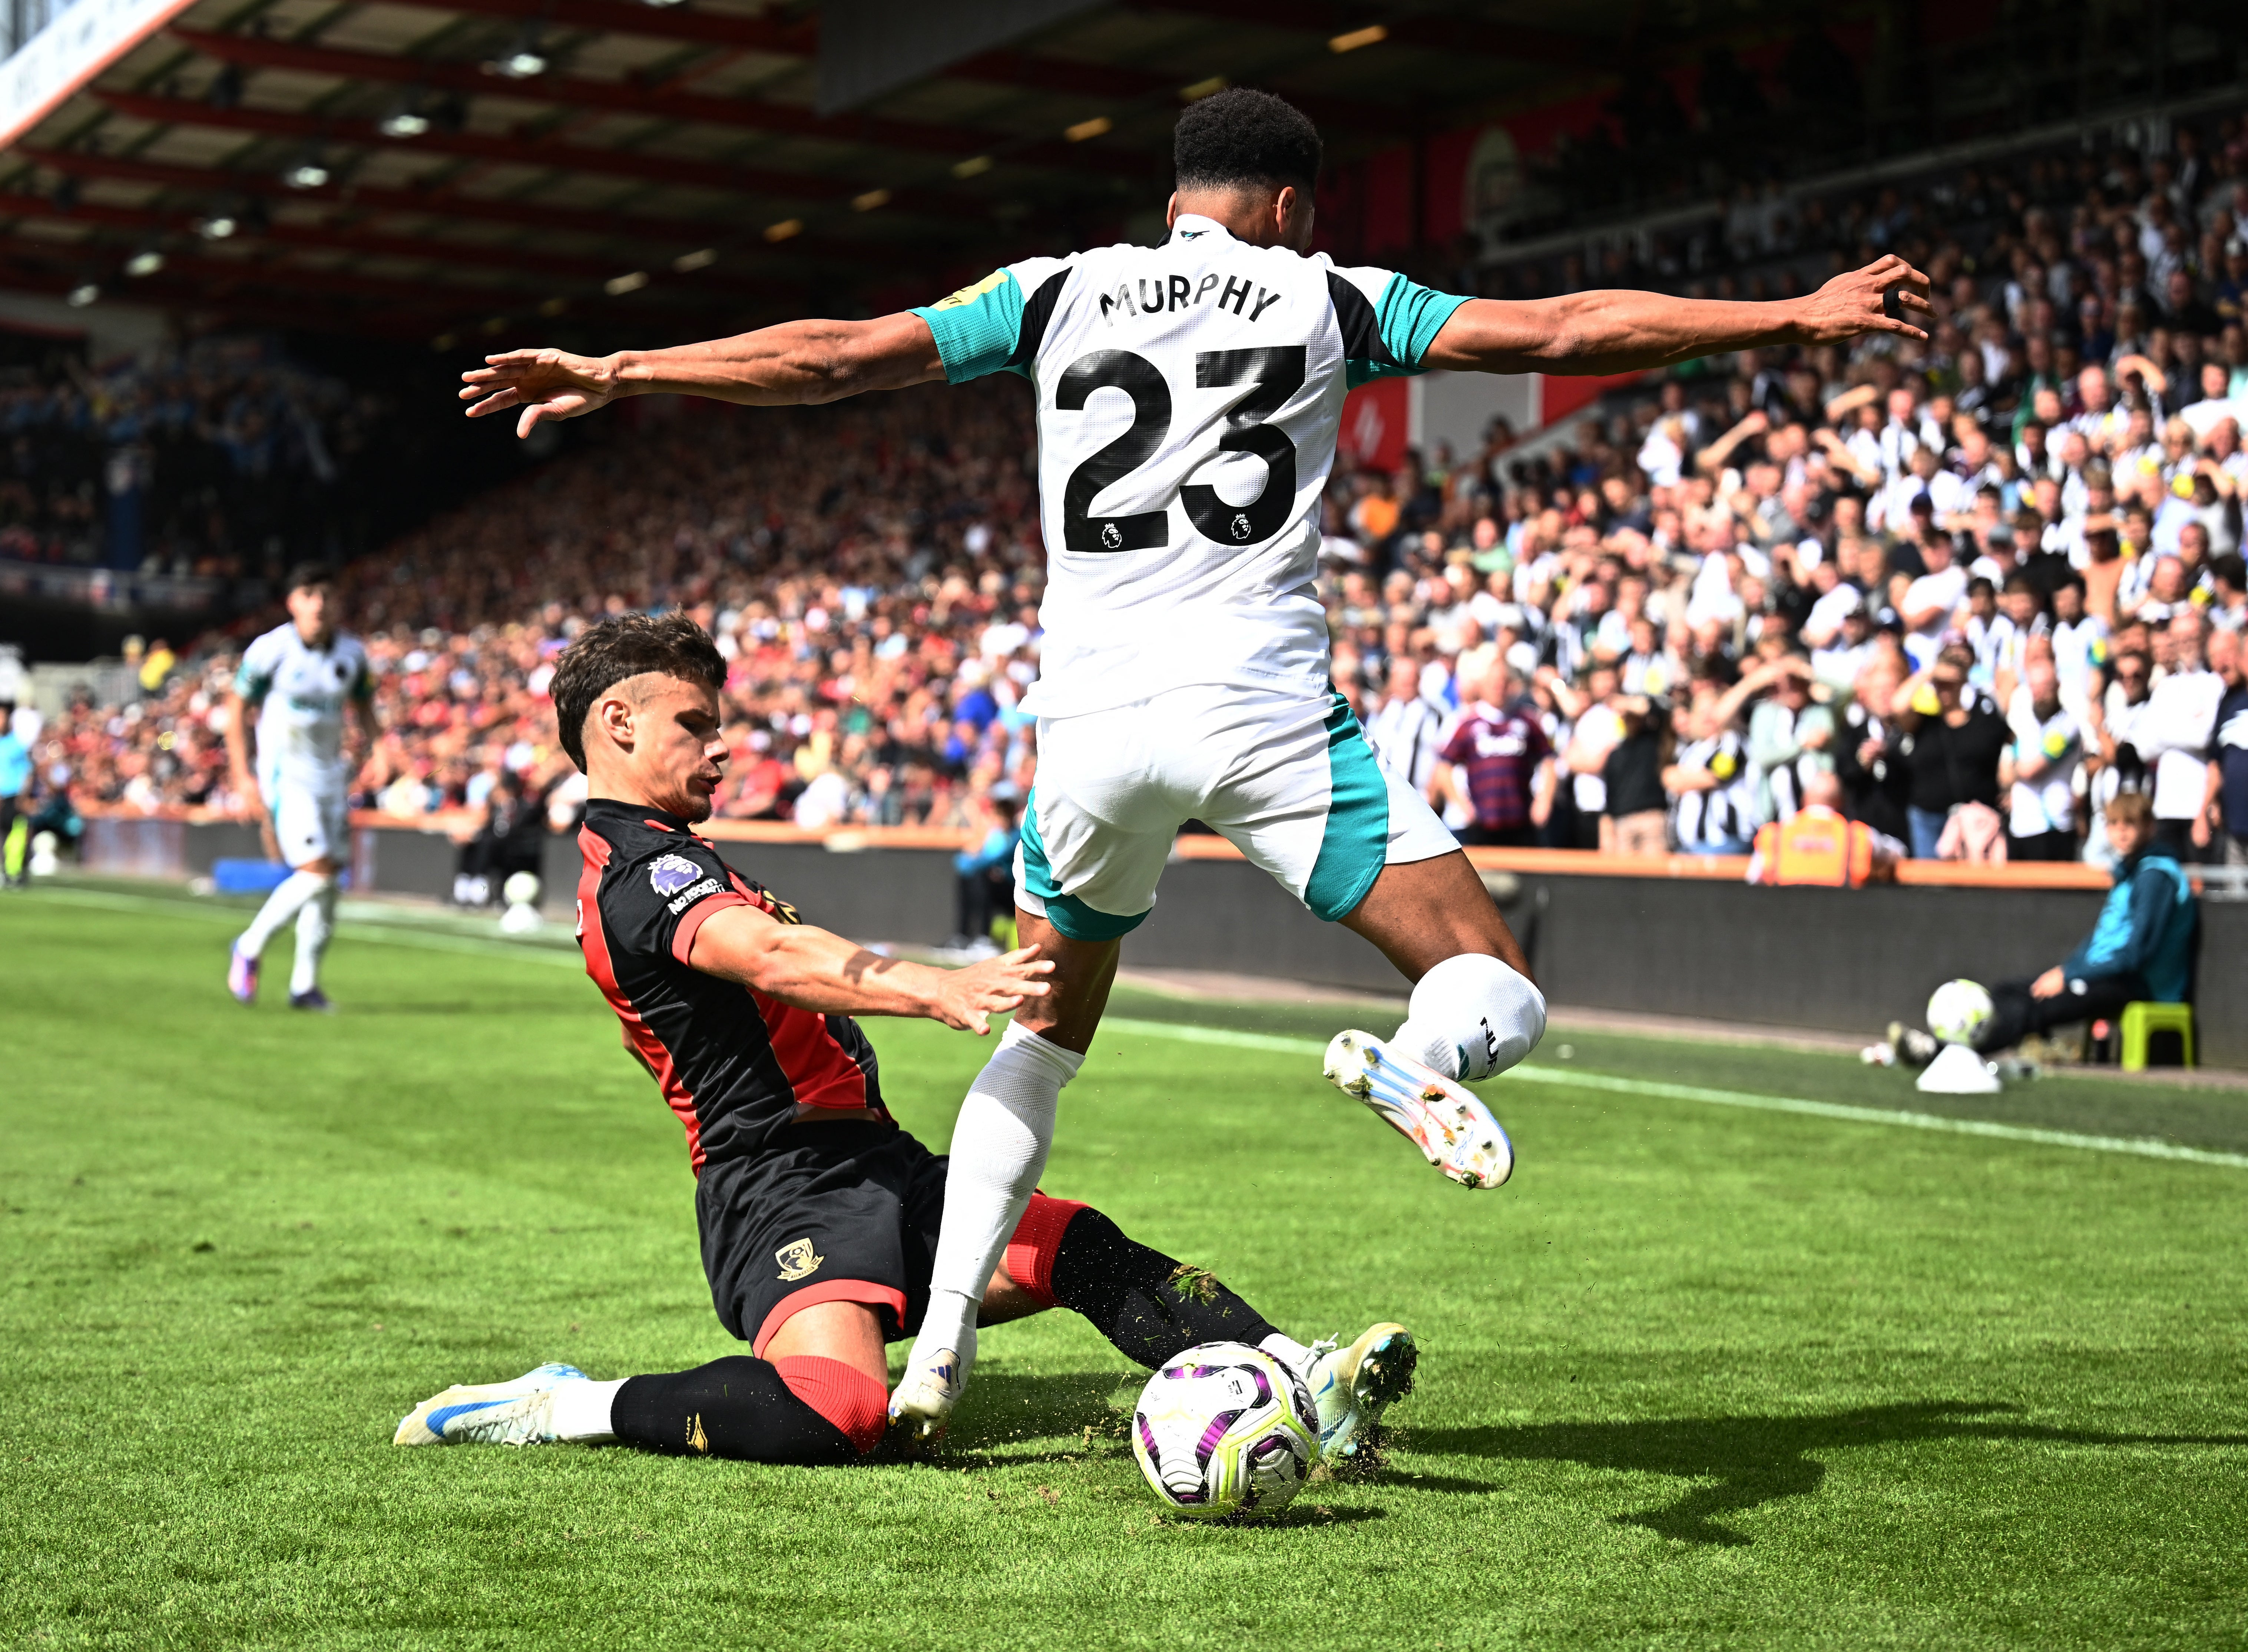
pixel 521 889
pixel 1957 1010
pixel 1225 1429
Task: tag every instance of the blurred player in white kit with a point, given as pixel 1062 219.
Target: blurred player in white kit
pixel 298 679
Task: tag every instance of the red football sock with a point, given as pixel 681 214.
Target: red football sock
pixel 850 1399
pixel 1038 1239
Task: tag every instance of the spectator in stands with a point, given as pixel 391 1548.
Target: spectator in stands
pixel 1493 765
pixel 1820 845
pixel 1634 813
pixel 2223 823
pixel 1710 784
pixel 2141 948
pixel 1406 729
pixel 2038 768
pixel 1951 743
pixel 2173 732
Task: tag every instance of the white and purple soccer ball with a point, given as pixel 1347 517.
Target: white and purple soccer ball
pixel 1225 1429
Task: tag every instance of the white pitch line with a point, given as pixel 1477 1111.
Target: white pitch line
pixel 358 928
pixel 2137 1147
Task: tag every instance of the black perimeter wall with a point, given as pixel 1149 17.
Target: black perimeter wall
pixel 1839 959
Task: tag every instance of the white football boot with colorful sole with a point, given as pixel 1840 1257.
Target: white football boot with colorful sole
pixel 518 1413
pixel 921 1408
pixel 1453 1130
pixel 1354 1385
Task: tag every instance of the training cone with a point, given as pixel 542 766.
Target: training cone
pixel 1958 1071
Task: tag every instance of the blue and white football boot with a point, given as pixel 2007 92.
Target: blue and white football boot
pixel 1354 1385
pixel 1445 1119
pixel 518 1413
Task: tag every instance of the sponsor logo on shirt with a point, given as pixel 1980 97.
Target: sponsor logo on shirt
pixel 708 886
pixel 669 874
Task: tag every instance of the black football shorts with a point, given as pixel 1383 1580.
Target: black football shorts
pixel 841 1212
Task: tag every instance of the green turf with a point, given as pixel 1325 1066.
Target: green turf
pixel 1698 1376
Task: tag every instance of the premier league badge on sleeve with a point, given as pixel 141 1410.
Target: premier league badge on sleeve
pixel 669 874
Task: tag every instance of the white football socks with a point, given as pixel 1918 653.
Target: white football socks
pixel 999 1149
pixel 1470 1016
pixel 316 922
pixel 580 1413
pixel 1289 1353
pixel 286 900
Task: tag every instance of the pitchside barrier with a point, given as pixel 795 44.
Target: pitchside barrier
pixel 1670 935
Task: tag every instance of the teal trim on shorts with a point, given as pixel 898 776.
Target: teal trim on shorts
pixel 1065 912
pixel 1357 838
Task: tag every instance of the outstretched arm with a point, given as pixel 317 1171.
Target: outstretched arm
pixel 1622 332
pixel 815 969
pixel 777 366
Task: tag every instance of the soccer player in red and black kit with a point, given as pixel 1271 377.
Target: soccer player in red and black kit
pixel 818 1215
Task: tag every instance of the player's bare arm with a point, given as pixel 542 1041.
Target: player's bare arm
pixel 792 364
pixel 816 969
pixel 249 803
pixel 1621 331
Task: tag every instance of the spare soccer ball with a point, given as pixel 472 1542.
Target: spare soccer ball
pixel 1225 1429
pixel 1958 1011
pixel 521 889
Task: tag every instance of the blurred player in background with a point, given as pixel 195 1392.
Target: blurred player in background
pixel 299 679
pixel 15 794
pixel 1189 396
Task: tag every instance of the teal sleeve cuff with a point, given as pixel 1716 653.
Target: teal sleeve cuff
pixel 978 328
pixel 1411 317
pixel 252 685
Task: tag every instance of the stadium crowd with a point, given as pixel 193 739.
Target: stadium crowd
pixel 1978 586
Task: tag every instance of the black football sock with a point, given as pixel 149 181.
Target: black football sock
pixel 1150 1307
pixel 737 1406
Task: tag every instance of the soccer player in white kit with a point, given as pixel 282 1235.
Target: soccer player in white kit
pixel 1188 397
pixel 298 679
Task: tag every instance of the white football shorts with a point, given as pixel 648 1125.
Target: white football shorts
pixel 1290 782
pixel 309 823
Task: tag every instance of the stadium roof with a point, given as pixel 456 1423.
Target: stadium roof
pixel 478 168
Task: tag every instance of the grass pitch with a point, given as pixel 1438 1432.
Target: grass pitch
pixel 1700 1376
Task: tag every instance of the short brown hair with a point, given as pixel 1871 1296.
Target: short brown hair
pixel 627 645
pixel 2135 808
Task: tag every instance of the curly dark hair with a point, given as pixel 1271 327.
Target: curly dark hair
pixel 1243 136
pixel 627 645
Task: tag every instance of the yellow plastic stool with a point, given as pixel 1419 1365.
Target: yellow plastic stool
pixel 2144 1017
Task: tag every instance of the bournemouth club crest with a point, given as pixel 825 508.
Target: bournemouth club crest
pixel 798 1260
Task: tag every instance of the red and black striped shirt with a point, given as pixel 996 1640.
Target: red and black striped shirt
pixel 735 1064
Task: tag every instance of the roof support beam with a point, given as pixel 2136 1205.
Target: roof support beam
pixel 529 270
pixel 627 97
pixel 643 236
pixel 565 157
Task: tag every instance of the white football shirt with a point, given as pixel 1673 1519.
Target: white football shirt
pixel 300 693
pixel 1189 398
